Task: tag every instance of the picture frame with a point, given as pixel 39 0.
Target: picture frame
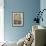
pixel 18 19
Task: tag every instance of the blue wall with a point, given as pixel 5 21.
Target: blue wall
pixel 29 7
pixel 43 6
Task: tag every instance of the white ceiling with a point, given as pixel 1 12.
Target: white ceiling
pixel 1 20
pixel 1 3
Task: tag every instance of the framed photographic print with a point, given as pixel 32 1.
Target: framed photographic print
pixel 18 18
